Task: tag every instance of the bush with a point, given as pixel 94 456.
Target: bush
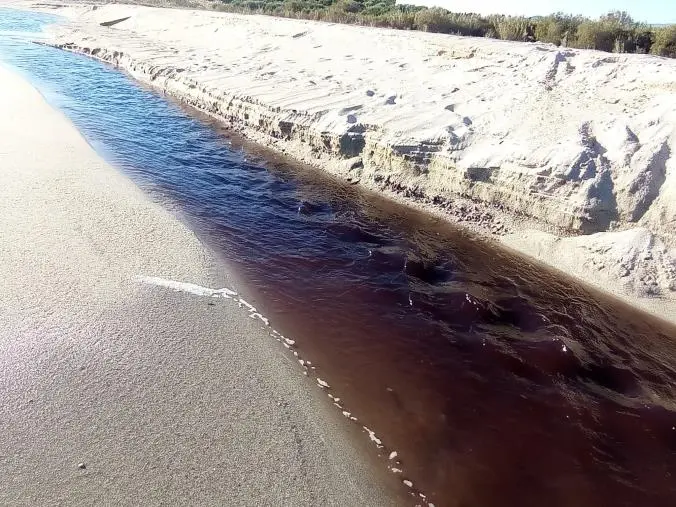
pixel 549 30
pixel 469 24
pixel 665 42
pixel 433 20
pixel 644 40
pixel 349 6
pixel 401 20
pixel 558 29
pixel 595 35
pixel 616 31
pixel 511 28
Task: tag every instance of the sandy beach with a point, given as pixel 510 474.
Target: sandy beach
pixel 115 391
pixel 564 155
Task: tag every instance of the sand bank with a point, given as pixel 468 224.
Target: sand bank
pixel 526 143
pixel 119 392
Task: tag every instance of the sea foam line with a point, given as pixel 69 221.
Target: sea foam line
pixel 191 288
pixel 226 293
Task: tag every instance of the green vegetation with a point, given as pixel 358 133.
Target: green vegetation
pixel 665 41
pixel 616 32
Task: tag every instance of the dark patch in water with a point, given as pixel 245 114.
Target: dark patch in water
pixel 352 233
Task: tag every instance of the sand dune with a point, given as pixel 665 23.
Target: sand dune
pixel 527 143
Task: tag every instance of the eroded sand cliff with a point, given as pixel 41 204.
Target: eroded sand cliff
pixel 566 155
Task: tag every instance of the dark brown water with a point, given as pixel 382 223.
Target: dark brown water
pixel 498 382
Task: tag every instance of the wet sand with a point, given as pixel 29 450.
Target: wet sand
pixel 116 392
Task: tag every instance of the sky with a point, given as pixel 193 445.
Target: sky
pixel 649 11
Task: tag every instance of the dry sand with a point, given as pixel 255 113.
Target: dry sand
pixel 164 397
pixel 526 143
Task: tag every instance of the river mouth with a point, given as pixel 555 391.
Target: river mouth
pixel 496 381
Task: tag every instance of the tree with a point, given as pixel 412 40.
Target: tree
pixel 618 18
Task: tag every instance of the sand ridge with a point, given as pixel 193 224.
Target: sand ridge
pixel 514 140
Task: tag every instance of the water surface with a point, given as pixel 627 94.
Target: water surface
pixel 497 381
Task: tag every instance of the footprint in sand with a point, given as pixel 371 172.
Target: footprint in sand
pixel 349 109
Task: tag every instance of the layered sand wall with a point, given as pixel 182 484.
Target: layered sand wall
pixel 507 137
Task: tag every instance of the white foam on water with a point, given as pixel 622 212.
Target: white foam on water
pixel 249 306
pixel 256 315
pixel 226 293
pixel 190 288
pixel 373 436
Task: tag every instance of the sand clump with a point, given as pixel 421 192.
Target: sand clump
pixel 505 137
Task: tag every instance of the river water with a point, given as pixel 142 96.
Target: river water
pixel 497 381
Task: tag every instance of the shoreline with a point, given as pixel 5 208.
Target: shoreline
pixel 191 300
pixel 634 261
pixel 107 398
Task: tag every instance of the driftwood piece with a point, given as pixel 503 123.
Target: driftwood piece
pixel 114 22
